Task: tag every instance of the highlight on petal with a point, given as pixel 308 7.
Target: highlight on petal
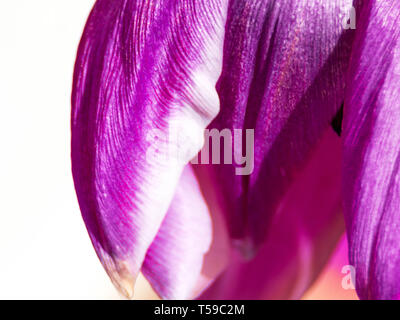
pixel 283 76
pixel 304 233
pixel 145 70
pixel 174 261
pixel 371 135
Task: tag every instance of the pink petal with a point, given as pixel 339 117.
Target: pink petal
pixel 304 232
pixel 175 259
pixel 144 68
pixel 372 151
pixel 283 76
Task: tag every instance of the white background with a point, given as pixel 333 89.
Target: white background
pixel 45 251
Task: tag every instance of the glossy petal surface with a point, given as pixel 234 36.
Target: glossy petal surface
pixel 144 90
pixel 283 76
pixel 372 151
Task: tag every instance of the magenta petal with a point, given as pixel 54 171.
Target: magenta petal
pixel 145 70
pixel 283 76
pixel 174 261
pixel 372 151
pixel 303 234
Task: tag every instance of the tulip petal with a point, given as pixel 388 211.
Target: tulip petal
pixel 283 76
pixel 174 261
pixel 303 234
pixel 145 73
pixel 371 132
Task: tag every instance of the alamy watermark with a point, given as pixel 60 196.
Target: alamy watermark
pixel 232 149
pixel 350 19
pixel 225 147
pixel 349 280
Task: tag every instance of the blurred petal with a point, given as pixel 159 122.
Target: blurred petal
pixel 283 75
pixel 218 257
pixel 145 70
pixel 372 151
pixel 174 261
pixel 303 234
pixel 335 281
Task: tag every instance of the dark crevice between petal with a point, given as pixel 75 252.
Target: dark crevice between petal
pixel 337 60
pixel 337 121
pixel 263 64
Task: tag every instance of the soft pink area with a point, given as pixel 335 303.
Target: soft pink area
pixel 329 284
pixel 303 234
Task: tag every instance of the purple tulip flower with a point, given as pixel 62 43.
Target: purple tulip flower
pixel 282 68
